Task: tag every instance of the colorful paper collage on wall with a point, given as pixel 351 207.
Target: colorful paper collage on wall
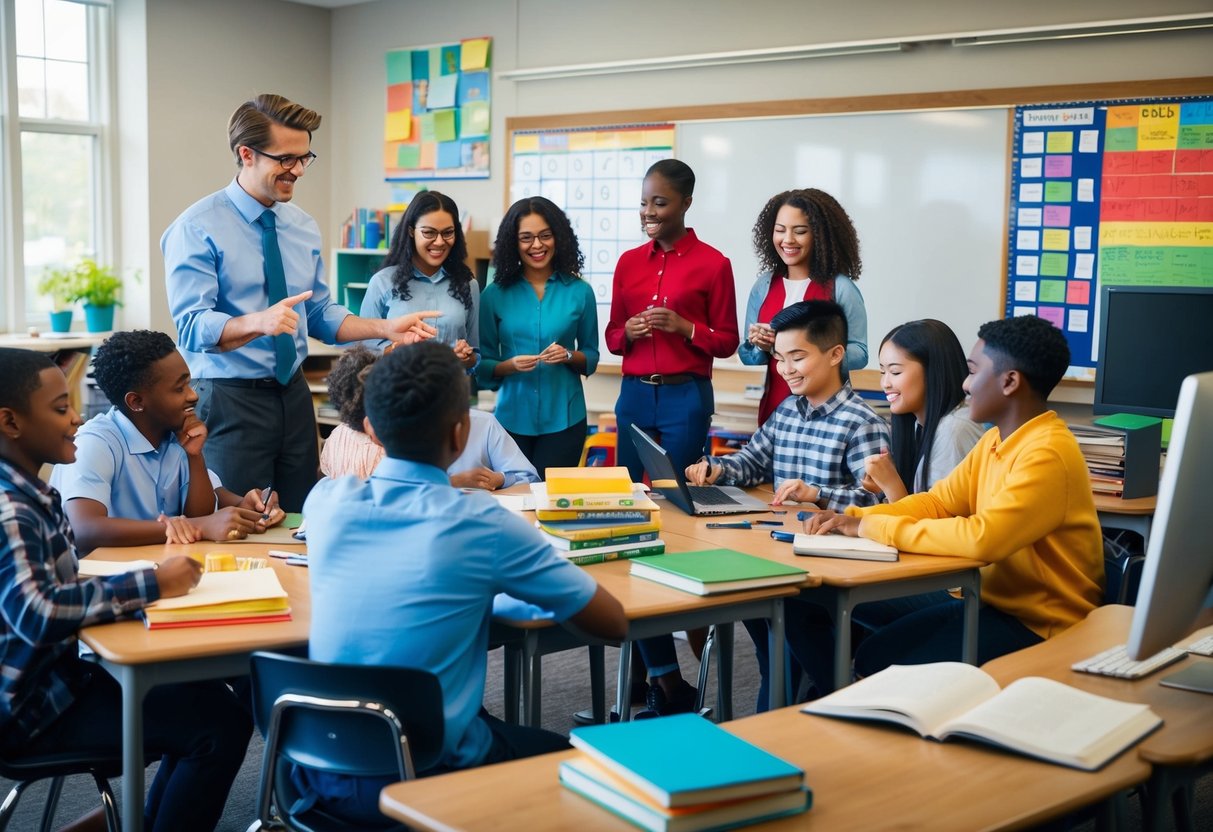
pixel 437 124
pixel 1111 193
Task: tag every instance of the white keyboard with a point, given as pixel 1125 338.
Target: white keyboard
pixel 1202 647
pixel 1115 661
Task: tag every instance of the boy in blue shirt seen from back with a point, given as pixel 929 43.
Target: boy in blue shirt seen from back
pixel 404 568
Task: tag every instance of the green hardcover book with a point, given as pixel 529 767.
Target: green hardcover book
pixel 715 570
pixel 590 558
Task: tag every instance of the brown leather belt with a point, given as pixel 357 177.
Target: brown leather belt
pixel 658 379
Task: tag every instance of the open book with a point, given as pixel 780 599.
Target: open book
pixel 1034 716
pixel 842 546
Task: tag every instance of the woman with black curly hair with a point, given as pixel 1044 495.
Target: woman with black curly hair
pixel 539 333
pixel 426 268
pixel 808 250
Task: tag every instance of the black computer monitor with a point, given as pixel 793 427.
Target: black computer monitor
pixel 1178 574
pixel 1150 339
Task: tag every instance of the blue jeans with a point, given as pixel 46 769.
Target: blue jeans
pixel 678 416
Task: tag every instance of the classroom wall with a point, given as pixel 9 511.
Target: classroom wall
pixel 184 66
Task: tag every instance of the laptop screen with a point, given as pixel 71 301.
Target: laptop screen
pixel 663 475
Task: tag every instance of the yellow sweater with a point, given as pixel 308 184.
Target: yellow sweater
pixel 1024 507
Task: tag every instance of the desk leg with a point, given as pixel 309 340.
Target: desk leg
pixel 133 692
pixel 534 716
pixel 778 660
pixel 972 601
pixel 512 679
pixel 598 682
pixel 842 639
pixel 623 689
pixel 724 670
pixel 530 650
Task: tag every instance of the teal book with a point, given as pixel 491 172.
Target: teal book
pixel 715 570
pixel 685 760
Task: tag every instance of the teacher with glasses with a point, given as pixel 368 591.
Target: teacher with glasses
pixel 246 289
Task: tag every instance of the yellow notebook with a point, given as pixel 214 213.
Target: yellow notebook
pixel 614 480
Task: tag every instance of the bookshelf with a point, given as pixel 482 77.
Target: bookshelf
pixel 353 268
pixel 71 351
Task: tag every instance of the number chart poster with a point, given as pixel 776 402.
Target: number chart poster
pixel 437 123
pixel 595 175
pixel 1107 194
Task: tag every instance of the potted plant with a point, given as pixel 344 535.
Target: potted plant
pixel 62 287
pixel 98 286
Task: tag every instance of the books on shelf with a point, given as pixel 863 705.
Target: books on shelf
pixel 685 760
pixel 354 229
pixel 713 571
pixel 841 546
pixel 1122 454
pixel 638 499
pixel 1037 717
pixel 238 597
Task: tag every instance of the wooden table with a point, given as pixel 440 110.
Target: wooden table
pixel 863 776
pixel 140 659
pixel 1182 747
pixel 843 583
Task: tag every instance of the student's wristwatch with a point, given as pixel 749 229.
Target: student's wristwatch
pixel 568 355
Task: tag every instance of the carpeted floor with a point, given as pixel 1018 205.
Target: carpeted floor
pixel 565 690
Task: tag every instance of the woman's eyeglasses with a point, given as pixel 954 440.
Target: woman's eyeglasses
pixel 526 238
pixel 428 233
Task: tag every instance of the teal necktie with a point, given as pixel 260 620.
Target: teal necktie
pixel 275 281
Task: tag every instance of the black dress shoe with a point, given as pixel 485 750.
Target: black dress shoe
pixel 658 704
pixel 639 696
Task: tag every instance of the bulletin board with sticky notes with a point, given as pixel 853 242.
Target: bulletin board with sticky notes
pixel 437 120
pixel 1107 193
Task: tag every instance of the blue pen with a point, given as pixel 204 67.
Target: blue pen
pixel 776 523
pixel 804 515
pixel 740 524
pixel 784 537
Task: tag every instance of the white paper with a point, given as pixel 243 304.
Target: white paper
pixel 1078 320
pixel 89 568
pixel 1031 167
pixel 1031 191
pixel 1034 142
pixel 1025 290
pixel 1027 240
pixel 1084 266
pixel 1020 311
pixel 1086 190
pixel 1088 141
pixel 516 502
pixel 1082 237
pixel 1030 217
pixel 1027 265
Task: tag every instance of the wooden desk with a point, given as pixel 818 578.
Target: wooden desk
pixel 140 659
pixel 1185 739
pixel 862 776
pixel 843 583
pixel 1135 515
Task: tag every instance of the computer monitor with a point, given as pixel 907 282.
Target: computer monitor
pixel 1150 339
pixel 1175 584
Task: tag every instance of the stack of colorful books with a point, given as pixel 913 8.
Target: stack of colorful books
pixel 592 515
pixel 682 774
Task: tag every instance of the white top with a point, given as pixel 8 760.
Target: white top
pixel 793 291
pixel 955 436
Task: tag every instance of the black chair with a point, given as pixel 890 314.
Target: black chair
pixel 343 719
pixel 56 767
pixel 1122 570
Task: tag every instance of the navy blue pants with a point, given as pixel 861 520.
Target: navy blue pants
pixel 561 449
pixel 678 416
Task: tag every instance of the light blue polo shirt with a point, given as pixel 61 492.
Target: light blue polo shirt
pixel 403 571
pixel 116 466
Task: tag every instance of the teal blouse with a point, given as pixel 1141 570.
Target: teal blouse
pixel 513 321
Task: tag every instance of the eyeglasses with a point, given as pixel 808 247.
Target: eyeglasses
pixel 428 233
pixel 287 161
pixel 545 236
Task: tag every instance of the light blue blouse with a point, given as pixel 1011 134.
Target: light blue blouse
pixel 426 292
pixel 513 321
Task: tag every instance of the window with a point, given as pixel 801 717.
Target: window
pixel 55 112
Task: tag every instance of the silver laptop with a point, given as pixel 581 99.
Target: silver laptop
pixel 693 499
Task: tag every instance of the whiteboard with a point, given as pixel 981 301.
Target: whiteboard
pixel 927 192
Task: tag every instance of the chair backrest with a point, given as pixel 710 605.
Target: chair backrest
pixel 1122 571
pixel 348 741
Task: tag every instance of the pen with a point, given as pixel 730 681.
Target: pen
pixel 785 537
pixel 803 515
pixel 265 501
pixel 776 523
pixel 740 524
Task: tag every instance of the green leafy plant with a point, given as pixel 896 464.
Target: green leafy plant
pixel 97 285
pixel 62 286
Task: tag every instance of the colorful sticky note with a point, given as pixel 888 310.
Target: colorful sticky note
pixel 1158 126
pixel 1054 265
pixel 1120 139
pixel 450 59
pixel 408 156
pixel 1059 191
pixel 473 86
pixel 399 97
pixel 450 155
pixel 1056 239
pixel 399 66
pixel 1034 142
pixel 421 95
pixel 1053 314
pixel 1059 141
pixel 1052 291
pixel 474 120
pixel 1057 216
pixel 1078 320
pixel 1025 290
pixel 475 155
pixel 390 152
pixel 429 155
pixel 475 54
pixel 434 61
pixel 445 129
pixel 427 127
pixel 421 64
pixel 442 92
pixel 1122 117
pixel 398 126
pixel 1058 167
pixel 1078 292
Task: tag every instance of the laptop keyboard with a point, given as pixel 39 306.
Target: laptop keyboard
pixel 710 496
